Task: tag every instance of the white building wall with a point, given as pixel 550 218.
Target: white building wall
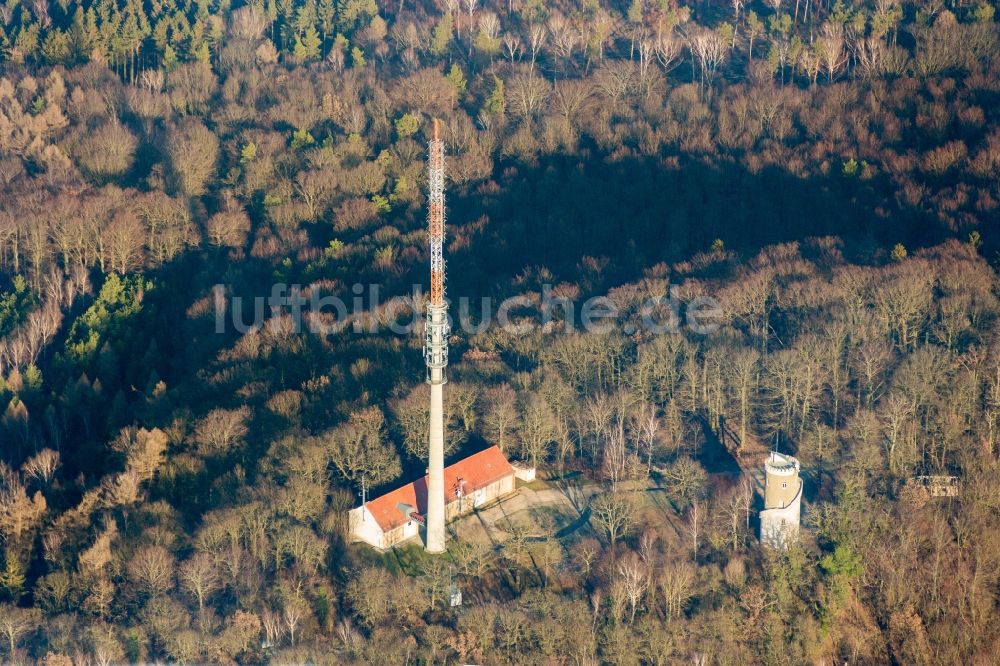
pixel 363 527
pixel 523 471
pixel 479 497
pixel 780 527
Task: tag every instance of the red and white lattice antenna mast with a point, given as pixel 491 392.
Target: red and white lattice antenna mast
pixel 435 216
pixel 436 331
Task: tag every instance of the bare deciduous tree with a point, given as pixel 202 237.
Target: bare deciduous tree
pixel 615 512
pixel 151 569
pixel 710 50
pixel 222 429
pixel 633 577
pixel 199 577
pixel 370 594
pixel 570 98
pixel 537 431
pixel 537 34
pixel 16 623
pixel 42 466
pixel 687 480
pixel 693 519
pixel 565 37
pixel 123 243
pixel 248 22
pixel 512 46
pixel 274 626
pixel 830 47
pixel 676 584
pixel 527 96
pixel 293 613
pixel 108 151
pixel 668 50
pixel 616 79
pixel 18 513
pixel 230 226
pixel 358 448
pixel 501 416
pixel 193 150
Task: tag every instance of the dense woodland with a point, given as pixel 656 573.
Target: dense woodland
pixel 830 172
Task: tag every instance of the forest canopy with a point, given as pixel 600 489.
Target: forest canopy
pixel 829 172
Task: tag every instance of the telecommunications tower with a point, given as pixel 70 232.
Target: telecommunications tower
pixel 436 347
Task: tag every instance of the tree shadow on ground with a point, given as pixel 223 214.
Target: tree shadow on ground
pixel 637 212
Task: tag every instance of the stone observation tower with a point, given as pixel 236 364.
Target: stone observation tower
pixel 779 521
pixel 436 347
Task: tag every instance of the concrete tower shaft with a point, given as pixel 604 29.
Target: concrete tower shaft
pixel 435 474
pixel 436 332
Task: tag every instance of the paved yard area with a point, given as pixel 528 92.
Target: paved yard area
pixel 565 505
pixel 492 523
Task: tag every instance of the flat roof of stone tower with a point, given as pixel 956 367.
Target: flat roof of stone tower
pixel 781 462
pixel 476 472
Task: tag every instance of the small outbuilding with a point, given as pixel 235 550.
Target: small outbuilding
pixel 397 516
pixel 523 471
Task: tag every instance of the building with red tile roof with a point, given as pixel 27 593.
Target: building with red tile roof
pixel 469 483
